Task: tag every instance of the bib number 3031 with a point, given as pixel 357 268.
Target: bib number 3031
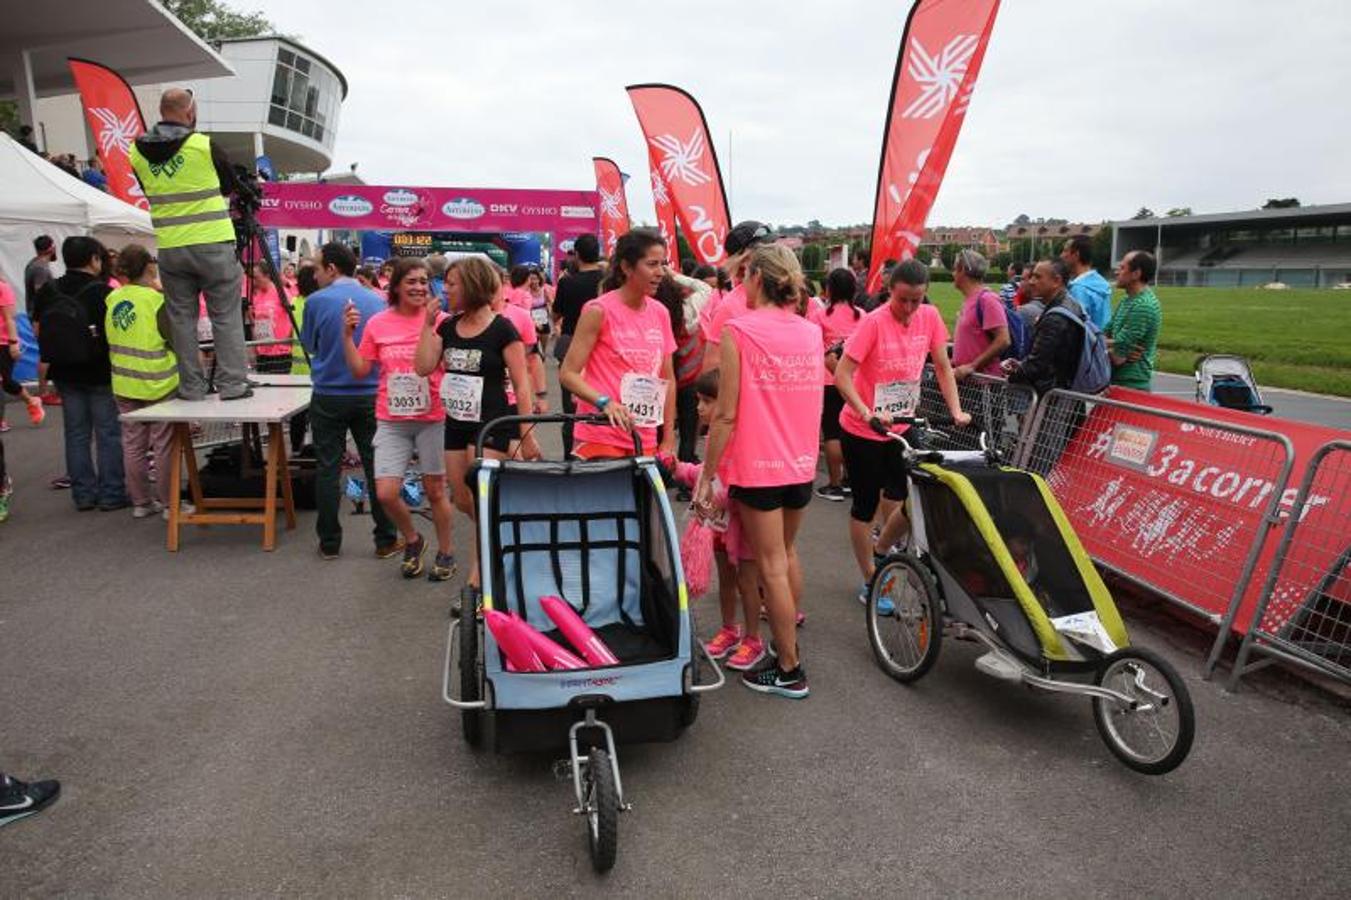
pixel 408 394
pixel 645 397
pixel 896 398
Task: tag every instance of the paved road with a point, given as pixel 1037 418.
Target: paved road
pixel 231 722
pixel 1319 409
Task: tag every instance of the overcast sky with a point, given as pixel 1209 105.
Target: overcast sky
pixel 1084 110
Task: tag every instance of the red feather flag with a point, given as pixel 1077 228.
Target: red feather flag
pixel 942 49
pixel 114 119
pixel 614 208
pixel 679 147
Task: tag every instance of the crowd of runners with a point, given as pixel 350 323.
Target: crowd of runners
pixel 747 366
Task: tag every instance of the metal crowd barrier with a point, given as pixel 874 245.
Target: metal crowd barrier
pixel 1002 410
pixel 1303 615
pixel 1150 505
pixel 213 434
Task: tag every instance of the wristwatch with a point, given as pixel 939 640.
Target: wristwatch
pixel 601 402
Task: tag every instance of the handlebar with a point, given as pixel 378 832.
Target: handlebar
pixel 552 418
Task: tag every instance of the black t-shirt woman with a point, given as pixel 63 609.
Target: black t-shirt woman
pixel 479 350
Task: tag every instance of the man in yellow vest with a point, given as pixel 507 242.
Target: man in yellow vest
pixel 187 179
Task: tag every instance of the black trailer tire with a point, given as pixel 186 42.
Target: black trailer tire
pixel 471 688
pixel 602 822
pixel 1173 721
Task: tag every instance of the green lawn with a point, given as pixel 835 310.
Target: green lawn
pixel 1294 339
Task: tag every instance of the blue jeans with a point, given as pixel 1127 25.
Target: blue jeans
pixel 89 414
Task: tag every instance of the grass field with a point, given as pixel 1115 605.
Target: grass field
pixel 1297 339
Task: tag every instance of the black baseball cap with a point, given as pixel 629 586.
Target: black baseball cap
pixel 746 234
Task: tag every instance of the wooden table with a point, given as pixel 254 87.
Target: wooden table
pixel 261 379
pixel 270 406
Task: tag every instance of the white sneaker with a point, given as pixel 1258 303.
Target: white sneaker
pixel 142 512
pixel 184 509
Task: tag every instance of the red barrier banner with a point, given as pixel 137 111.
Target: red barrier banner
pixel 1178 504
pixel 677 136
pixel 614 207
pixel 115 121
pixel 942 48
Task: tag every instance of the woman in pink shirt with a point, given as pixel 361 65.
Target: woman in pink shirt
pixel 838 321
pixel 270 323
pixel 409 415
pixel 879 378
pixel 520 317
pixel 763 446
pixel 619 363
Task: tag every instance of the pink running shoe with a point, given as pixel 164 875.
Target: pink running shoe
pixel 728 636
pixel 747 655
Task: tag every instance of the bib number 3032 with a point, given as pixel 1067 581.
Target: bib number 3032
pixel 462 396
pixel 408 394
pixel 896 398
pixel 645 397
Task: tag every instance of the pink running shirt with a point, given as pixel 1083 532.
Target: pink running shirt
pixel 890 359
pixel 632 343
pixel 270 322
pixel 390 339
pixel 970 339
pixel 525 325
pixel 6 300
pixel 837 323
pixel 730 306
pixel 778 418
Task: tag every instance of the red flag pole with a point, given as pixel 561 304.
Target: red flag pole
pixel 114 118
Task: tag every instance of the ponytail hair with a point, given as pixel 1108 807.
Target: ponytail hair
pixel 630 248
pixel 841 287
pixel 781 278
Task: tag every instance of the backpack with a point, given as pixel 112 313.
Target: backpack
pixel 1094 372
pixel 1020 335
pixel 66 336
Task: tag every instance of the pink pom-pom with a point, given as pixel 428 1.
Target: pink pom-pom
pixel 696 556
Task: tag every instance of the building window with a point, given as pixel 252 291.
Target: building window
pixel 304 95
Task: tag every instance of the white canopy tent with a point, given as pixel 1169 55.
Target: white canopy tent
pixel 38 198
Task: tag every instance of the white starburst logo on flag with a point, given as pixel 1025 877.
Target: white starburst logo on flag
pixel 680 159
pixel 114 132
pixel 939 76
pixel 659 195
pixel 609 204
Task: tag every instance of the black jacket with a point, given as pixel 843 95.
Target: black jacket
pixel 163 141
pixel 92 293
pixel 1056 346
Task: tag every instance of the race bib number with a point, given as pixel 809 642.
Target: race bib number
pixel 462 396
pixel 541 316
pixel 645 397
pixel 408 394
pixel 262 329
pixel 896 398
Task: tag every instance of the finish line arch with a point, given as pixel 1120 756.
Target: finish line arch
pixel 563 215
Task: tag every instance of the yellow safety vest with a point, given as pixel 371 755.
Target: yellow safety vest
pixel 298 364
pixel 186 206
pixel 144 368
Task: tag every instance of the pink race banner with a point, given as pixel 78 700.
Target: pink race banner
pixel 564 214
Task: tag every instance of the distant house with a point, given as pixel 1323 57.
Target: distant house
pixel 1043 231
pixel 979 238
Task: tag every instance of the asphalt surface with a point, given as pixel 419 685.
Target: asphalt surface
pixel 232 722
pixel 1318 409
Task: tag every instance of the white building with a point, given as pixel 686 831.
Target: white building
pixel 283 102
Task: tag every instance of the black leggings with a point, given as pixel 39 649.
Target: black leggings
pixel 876 470
pixel 12 387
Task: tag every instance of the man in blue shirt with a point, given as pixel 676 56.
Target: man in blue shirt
pixel 1093 292
pixel 341 403
pixel 93 175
